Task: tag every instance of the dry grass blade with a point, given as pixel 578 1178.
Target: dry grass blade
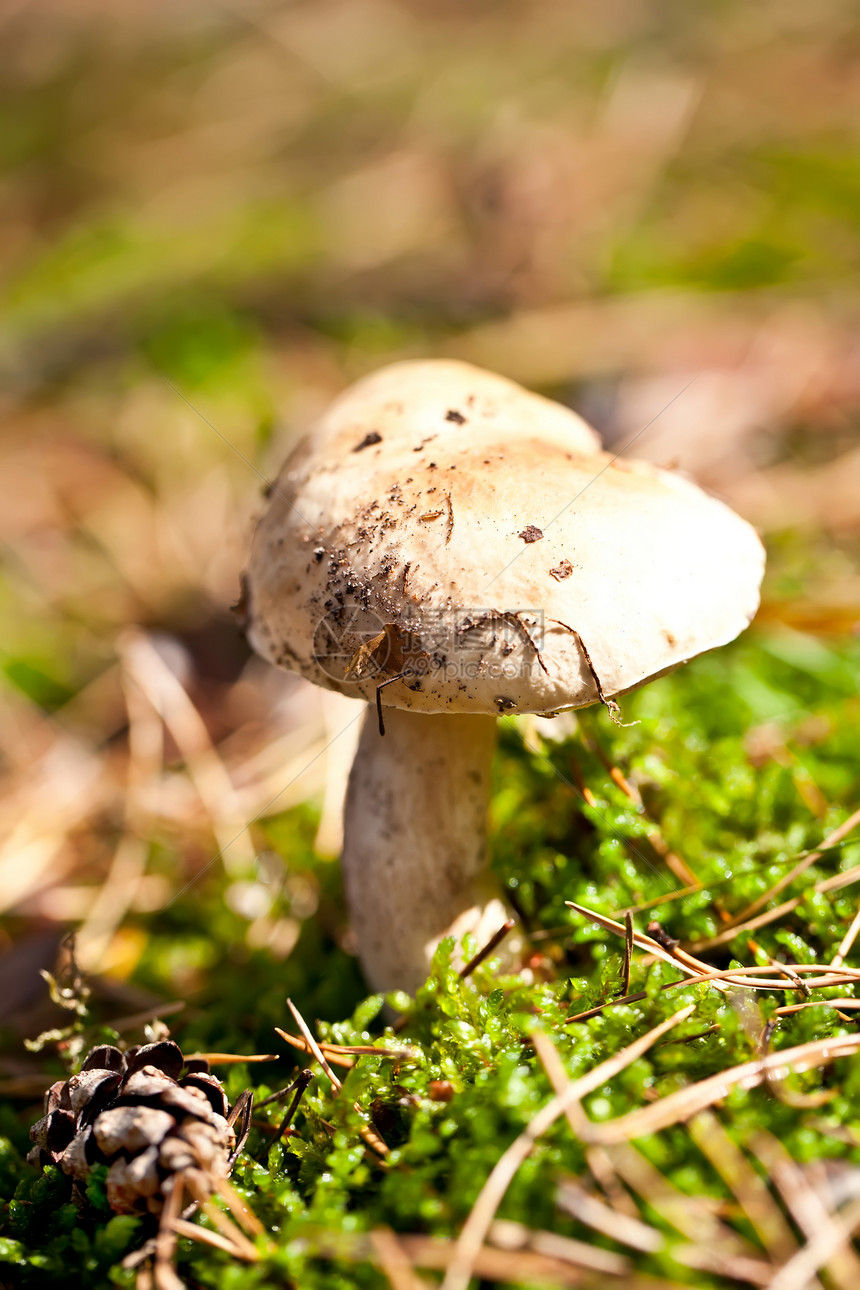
pixel 834 883
pixel 115 896
pixel 200 1186
pixel 724 975
pixel 143 1280
pixel 806 1206
pixel 579 780
pixel 690 890
pixel 246 1216
pixel 490 1197
pixel 745 976
pixel 508 1235
pixel 694 887
pixel 202 1234
pixel 62 792
pixel 558 1078
pixel 599 1162
pixel 694 1217
pixel 687 1102
pixel 205 768
pixel 368 1134
pixel 675 863
pixel 334 1058
pixel 278 777
pixel 752 924
pixel 628 953
pixel 832 839
pixel 312 1045
pixel 394 1261
pixel 695 968
pixel 610 1003
pixel 304 1077
pixel 242 1247
pixel 750 1189
pixel 163 1273
pixel 784 969
pixel 801 1101
pixel 240 1120
pixel 297 1088
pixel 517 1267
pixel 232 1059
pixel 823 1245
pixel 164 1277
pixel 847 941
pixel 343 1054
pixel 513 1266
pixel 737 1267
pixel 849 1004
pixel 595 1213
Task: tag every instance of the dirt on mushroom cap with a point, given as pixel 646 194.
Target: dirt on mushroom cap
pixel 423 531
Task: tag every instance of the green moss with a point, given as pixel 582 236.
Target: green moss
pixel 739 823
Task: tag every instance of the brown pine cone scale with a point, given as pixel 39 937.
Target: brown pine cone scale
pixel 136 1113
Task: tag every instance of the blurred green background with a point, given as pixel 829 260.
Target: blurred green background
pixel 214 216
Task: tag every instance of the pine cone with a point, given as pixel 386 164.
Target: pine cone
pixel 132 1112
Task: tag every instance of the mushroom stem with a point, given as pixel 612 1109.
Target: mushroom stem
pixel 415 842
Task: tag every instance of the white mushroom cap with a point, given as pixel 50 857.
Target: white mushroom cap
pixel 443 523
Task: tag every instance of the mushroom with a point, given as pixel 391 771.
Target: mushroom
pixel 452 547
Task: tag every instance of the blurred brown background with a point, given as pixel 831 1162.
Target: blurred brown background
pixel 215 215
